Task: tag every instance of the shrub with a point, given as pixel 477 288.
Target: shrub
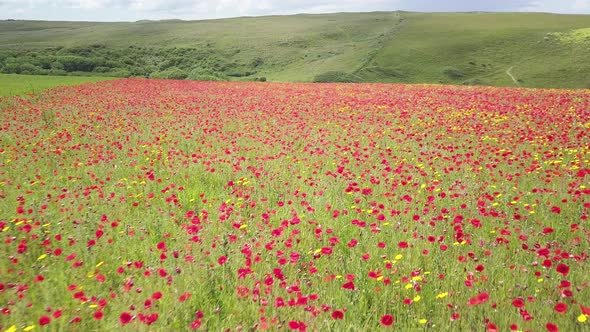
pixel 474 81
pixel 202 74
pixel 57 72
pixel 335 76
pixel 119 73
pixel 239 73
pixel 257 62
pixel 172 73
pixel 21 68
pixel 73 63
pixel 453 73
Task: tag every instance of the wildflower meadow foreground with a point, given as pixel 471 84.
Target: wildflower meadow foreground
pixel 146 205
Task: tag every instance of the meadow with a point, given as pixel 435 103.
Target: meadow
pixel 12 84
pixel 158 205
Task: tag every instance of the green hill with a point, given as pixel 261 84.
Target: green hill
pixel 508 49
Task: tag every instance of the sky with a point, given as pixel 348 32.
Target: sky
pixel 133 10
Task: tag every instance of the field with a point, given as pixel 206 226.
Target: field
pixel 538 50
pixel 155 205
pixel 11 84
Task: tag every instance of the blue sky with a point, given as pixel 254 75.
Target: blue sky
pixel 132 10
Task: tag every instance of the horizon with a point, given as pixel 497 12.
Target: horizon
pixel 295 14
pixel 197 10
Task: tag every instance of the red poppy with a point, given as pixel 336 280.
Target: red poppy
pixel 561 307
pixel 349 285
pixel 387 320
pixel 296 325
pixel 518 302
pixel 337 314
pixel 552 327
pixel 125 318
pixel 491 327
pixel 184 297
pixel 221 260
pixel 195 324
pixel 44 320
pixel 98 315
pixel 563 269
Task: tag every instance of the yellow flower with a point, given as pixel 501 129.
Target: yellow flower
pixel 582 318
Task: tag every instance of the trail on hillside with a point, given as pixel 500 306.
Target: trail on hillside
pixel 509 73
pixel 387 36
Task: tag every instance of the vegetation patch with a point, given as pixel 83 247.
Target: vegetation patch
pixel 335 76
pixel 453 73
pixel 574 36
pixel 170 73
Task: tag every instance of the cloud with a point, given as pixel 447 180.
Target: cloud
pixel 582 5
pixel 106 10
pixel 563 6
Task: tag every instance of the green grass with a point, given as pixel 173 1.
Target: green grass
pixel 375 47
pixel 12 84
pixel 483 46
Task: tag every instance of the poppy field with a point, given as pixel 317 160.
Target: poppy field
pixel 154 205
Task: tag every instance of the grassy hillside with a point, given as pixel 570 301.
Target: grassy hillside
pixel 480 48
pixel 532 50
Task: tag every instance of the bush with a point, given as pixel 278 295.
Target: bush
pixel 119 73
pixel 57 72
pixel 453 73
pixel 239 73
pixel 382 73
pixel 257 62
pixel 474 81
pixel 335 76
pixel 21 68
pixel 29 69
pixel 56 65
pixel 101 69
pixel 73 63
pixel 172 73
pixel 201 74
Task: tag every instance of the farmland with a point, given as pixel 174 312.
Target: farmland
pixel 162 205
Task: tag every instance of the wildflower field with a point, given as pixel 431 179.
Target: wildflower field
pixel 147 205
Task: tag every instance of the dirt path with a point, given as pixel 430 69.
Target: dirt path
pixel 509 73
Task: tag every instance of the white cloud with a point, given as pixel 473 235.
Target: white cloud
pixel 106 10
pixel 582 5
pixel 85 4
pixel 563 6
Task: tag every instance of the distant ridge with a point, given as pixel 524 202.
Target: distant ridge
pixel 473 48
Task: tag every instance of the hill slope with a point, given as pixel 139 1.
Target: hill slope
pixel 509 49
